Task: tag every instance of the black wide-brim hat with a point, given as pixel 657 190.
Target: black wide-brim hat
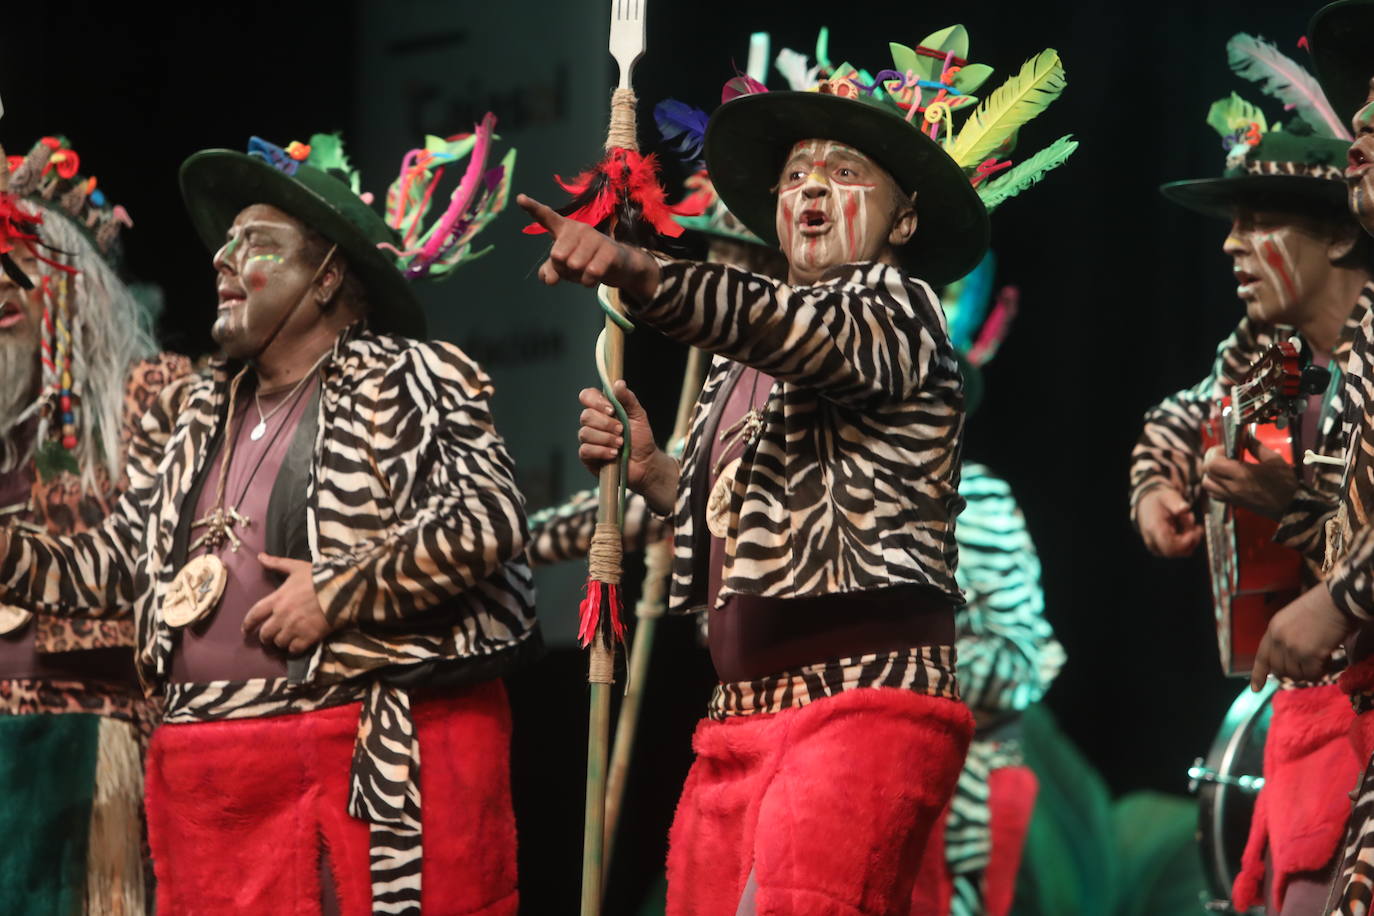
pixel 1286 171
pixel 1341 38
pixel 748 139
pixel 218 184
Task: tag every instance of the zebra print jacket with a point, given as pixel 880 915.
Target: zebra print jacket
pixel 415 527
pixel 1008 656
pixel 1169 451
pixel 853 483
pixel 1349 537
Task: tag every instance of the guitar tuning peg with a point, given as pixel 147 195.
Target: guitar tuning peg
pixel 1315 379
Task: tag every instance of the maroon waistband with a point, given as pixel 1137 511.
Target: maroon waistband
pixel 752 637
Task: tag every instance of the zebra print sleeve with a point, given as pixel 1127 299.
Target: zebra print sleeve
pixel 1007 653
pixel 1169 451
pixel 561 533
pixel 93 572
pixel 869 333
pixel 451 482
pixel 1303 526
pixel 1350 581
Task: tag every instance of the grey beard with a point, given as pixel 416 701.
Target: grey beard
pixel 18 375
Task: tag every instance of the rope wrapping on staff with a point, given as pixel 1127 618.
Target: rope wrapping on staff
pixel 622 132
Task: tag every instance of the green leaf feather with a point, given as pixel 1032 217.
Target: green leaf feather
pixel 903 58
pixel 954 38
pixel 970 77
pixel 1019 177
pixel 1226 116
pixel 823 50
pixel 1014 103
pixel 327 154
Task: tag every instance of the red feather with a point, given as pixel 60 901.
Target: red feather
pixel 623 177
pixel 589 612
pixel 17 224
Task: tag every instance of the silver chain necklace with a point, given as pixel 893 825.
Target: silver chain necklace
pixel 261 429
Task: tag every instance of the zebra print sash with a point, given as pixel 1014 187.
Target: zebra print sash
pixel 926 670
pixel 384 777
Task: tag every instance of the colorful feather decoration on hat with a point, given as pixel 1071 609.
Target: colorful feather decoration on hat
pixel 327 155
pixel 1283 78
pixel 273 155
pixel 480 196
pixel 793 65
pixel 683 128
pixel 743 84
pixel 1028 172
pixel 1014 103
pixel 1233 115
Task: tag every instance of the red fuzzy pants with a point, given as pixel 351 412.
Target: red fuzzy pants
pixel 1011 801
pixel 240 811
pixel 1309 771
pixel 822 809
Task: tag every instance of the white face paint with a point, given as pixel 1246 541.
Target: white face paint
pixel 1359 173
pixel 835 206
pixel 1280 260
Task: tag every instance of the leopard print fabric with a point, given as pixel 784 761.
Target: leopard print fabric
pixel 59 506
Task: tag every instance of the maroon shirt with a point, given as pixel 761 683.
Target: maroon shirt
pixel 752 637
pixel 216 648
pixel 19 655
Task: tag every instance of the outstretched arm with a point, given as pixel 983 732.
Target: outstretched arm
pixel 92 573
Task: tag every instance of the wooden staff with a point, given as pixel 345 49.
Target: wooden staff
pixel 626 46
pixel 658 566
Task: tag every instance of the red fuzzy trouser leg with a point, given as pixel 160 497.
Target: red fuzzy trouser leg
pixel 934 888
pixel 828 806
pixel 239 810
pixel 1011 798
pixel 1300 815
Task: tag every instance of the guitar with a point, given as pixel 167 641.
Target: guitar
pixel 1252 577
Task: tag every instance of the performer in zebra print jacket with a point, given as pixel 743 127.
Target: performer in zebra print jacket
pixel 322 545
pixel 1302 267
pixel 813 510
pixel 1340 609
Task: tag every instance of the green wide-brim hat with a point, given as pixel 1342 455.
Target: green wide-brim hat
pixel 748 139
pixel 218 184
pixel 1341 38
pixel 1285 171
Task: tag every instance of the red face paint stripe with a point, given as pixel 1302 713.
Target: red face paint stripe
pixel 1275 259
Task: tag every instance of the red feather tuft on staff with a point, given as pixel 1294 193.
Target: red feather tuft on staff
pixel 623 187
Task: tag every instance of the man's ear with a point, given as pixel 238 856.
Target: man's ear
pixel 1344 238
pixel 329 283
pixel 903 223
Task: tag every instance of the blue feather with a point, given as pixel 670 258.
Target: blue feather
pixel 272 154
pixel 972 299
pixel 683 127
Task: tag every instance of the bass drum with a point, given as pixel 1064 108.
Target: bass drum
pixel 1226 782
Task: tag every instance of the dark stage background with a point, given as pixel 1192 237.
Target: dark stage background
pixel 1124 299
